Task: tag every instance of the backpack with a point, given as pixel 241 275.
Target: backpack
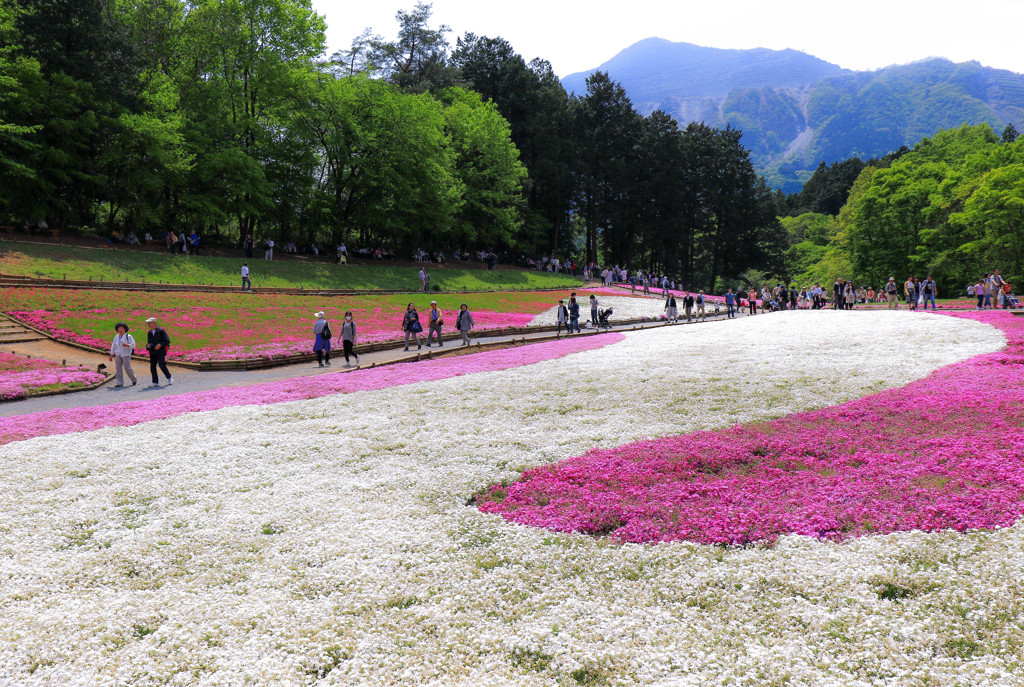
pixel 325 333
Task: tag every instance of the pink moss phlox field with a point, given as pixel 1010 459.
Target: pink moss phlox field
pixel 944 452
pixel 301 388
pixel 22 376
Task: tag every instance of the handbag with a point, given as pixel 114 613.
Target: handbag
pixel 415 327
pixel 325 333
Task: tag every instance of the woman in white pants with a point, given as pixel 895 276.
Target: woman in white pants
pixel 121 349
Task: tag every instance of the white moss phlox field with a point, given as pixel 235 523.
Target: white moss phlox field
pixel 328 541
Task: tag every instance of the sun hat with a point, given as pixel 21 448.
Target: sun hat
pixel 318 314
pixel 150 319
pixel 121 324
pixel 433 302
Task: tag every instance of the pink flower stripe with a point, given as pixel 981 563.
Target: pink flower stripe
pixel 126 414
pixel 189 327
pixel 945 452
pixel 22 376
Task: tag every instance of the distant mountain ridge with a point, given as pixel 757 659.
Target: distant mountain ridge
pixel 796 110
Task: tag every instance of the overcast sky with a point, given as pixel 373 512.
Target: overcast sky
pixel 578 36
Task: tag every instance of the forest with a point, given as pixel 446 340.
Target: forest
pixel 952 206
pixel 228 117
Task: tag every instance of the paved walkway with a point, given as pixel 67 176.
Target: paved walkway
pixel 187 380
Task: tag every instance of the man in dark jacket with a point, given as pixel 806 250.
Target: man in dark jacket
pixel 157 342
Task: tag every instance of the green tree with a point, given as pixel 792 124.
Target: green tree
pixel 486 164
pixel 417 60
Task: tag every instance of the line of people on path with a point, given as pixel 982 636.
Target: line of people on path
pixel 411 327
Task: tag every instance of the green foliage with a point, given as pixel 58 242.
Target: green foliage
pixel 58 262
pixel 952 207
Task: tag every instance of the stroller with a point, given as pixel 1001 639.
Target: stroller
pixel 603 317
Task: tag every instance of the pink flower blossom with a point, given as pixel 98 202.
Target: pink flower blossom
pixel 946 451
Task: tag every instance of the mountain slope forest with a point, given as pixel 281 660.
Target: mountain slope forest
pixel 225 117
pixel 953 207
pixel 796 111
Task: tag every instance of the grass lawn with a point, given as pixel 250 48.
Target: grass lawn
pixel 100 264
pixel 237 325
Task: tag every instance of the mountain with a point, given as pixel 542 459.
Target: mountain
pixel 796 110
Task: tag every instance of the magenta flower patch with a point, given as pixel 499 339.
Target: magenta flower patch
pixel 66 421
pixel 944 452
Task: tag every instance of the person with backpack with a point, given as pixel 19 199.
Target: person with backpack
pixel 997 289
pixel 121 349
pixel 464 322
pixel 700 306
pixel 348 338
pixel 562 317
pixel 411 326
pixel 157 343
pixel 891 294
pixel 322 339
pixel 436 322
pixel 929 290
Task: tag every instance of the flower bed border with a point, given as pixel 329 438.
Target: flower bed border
pixel 266 363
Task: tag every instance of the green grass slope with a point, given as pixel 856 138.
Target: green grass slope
pixel 71 262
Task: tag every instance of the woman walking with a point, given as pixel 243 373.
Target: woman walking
pixel 671 309
pixel 121 349
pixel 411 326
pixel 464 322
pixel 322 340
pixel 849 296
pixel 348 338
pixel 574 315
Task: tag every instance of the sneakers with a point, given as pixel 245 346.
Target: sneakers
pixel 118 386
pixel 347 365
pixel 170 380
pixel 357 360
pixel 406 348
pixel 320 364
pixel 328 363
pixel 154 385
pixel 135 382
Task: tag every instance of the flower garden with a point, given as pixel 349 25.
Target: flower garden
pixel 234 326
pixel 794 499
pixel 20 377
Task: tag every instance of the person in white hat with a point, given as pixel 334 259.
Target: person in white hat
pixel 157 343
pixel 121 349
pixel 322 335
pixel 436 322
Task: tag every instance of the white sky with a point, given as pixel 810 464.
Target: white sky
pixel 577 36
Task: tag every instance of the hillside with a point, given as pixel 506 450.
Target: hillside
pixel 796 110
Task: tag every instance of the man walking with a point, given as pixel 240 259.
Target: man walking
pixel 688 301
pixel 730 304
pixel 246 284
pixel 593 311
pixel 157 343
pixel 248 246
pixel 997 289
pixel 269 253
pixel 435 324
pixel 700 306
pixel 928 292
pixel 891 293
